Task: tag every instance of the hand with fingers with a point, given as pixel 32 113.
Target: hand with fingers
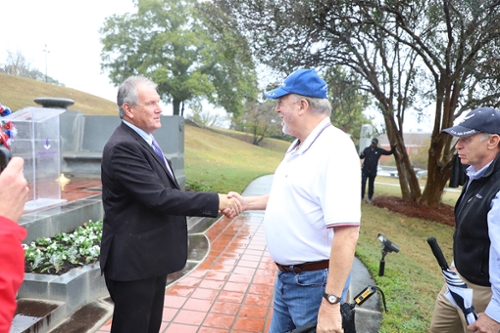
pixel 484 324
pixel 229 206
pixel 13 190
pixel 231 213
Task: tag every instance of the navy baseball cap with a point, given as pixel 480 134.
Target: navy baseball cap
pixel 481 120
pixel 305 82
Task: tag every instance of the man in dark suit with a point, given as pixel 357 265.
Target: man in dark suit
pixel 145 231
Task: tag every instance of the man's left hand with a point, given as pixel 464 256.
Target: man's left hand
pixel 484 324
pixel 329 318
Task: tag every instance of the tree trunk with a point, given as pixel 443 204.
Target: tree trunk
pixel 176 105
pixel 436 181
pixel 410 188
pixel 438 170
pixel 439 164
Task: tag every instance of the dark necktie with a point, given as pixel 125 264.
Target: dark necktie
pixel 160 154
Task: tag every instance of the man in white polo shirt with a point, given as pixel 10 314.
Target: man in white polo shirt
pixel 313 210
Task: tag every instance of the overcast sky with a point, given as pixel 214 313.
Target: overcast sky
pixel 70 31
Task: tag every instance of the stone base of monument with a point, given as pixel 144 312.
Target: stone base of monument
pixel 79 298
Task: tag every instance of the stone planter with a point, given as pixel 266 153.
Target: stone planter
pixel 45 301
pixel 76 288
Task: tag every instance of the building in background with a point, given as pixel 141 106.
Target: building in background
pixel 414 143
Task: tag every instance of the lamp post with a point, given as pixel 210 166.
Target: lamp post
pixel 46 50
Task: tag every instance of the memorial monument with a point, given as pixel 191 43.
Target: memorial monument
pixel 38 142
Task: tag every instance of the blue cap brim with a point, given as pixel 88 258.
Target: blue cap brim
pixel 276 93
pixel 460 131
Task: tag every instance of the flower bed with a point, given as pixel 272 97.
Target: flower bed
pixel 59 254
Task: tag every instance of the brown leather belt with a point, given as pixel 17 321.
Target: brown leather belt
pixel 308 266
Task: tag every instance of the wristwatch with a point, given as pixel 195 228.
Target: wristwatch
pixel 331 298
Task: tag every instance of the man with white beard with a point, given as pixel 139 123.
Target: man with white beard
pixel 313 211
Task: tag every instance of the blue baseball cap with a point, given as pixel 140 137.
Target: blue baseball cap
pixel 481 120
pixel 305 82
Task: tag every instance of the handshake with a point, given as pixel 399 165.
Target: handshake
pixel 232 204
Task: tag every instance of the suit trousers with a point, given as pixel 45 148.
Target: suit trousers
pixel 138 304
pixel 371 184
pixel 446 318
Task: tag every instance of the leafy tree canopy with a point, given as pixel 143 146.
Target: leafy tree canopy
pixel 347 101
pixel 260 120
pixel 167 41
pixel 406 54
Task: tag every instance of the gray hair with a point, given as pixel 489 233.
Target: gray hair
pixel 318 105
pixel 486 136
pixel 127 92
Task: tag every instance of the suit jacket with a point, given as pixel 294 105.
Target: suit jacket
pixel 145 229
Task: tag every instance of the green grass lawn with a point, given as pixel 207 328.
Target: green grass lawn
pixel 412 277
pixel 222 163
pixel 19 92
pixel 449 198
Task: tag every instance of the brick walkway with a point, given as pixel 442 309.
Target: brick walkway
pixel 230 291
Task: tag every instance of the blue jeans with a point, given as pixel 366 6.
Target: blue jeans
pixel 297 298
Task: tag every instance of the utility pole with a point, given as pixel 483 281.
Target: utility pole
pixel 47 51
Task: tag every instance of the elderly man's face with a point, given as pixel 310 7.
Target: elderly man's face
pixel 146 114
pixel 473 150
pixel 287 109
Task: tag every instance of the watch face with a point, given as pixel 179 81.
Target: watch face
pixel 332 298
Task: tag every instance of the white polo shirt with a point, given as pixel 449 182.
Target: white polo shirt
pixel 315 187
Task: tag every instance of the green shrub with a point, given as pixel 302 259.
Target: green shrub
pixel 64 251
pixel 197 186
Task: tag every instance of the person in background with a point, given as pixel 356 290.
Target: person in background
pixel 313 211
pixel 371 155
pixel 144 234
pixel 476 240
pixel 13 193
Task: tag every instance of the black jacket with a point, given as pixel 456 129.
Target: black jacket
pixel 458 175
pixel 471 243
pixel 371 156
